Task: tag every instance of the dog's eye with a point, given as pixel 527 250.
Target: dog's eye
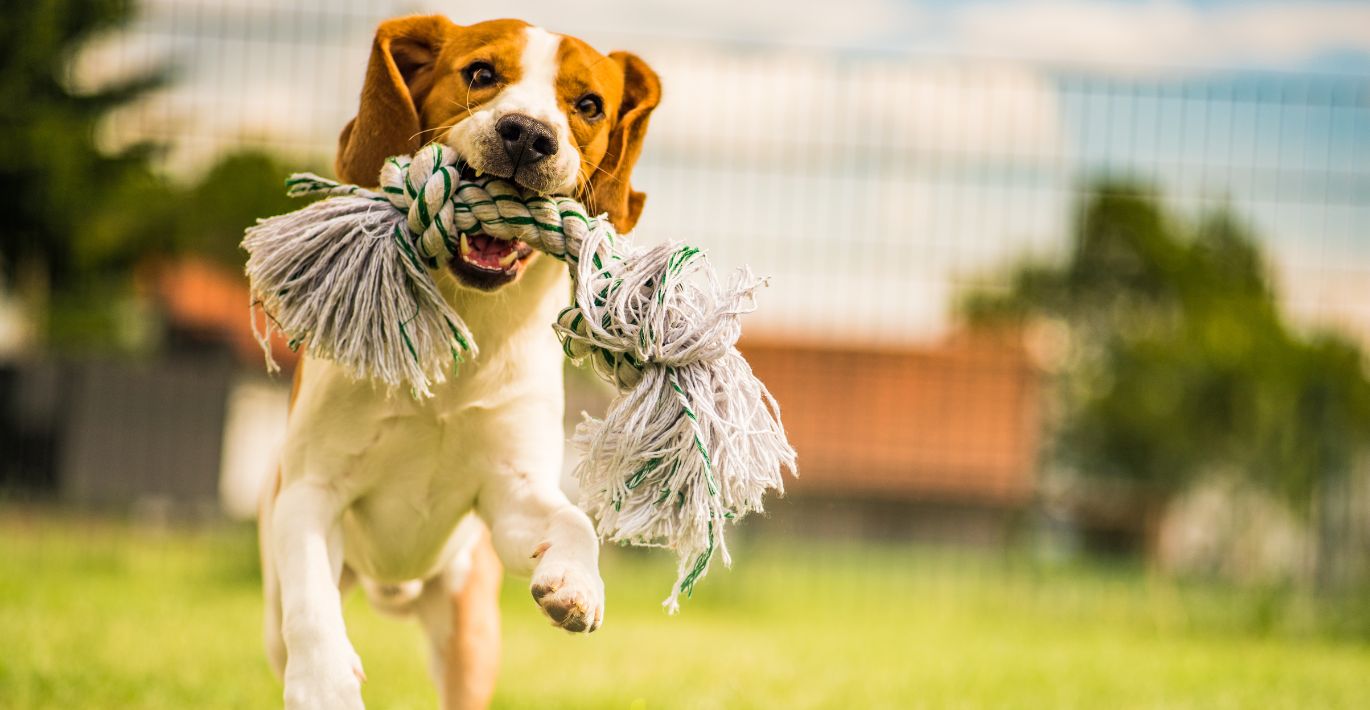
pixel 479 75
pixel 590 106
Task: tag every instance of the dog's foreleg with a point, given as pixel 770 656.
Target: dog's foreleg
pixel 322 672
pixel 538 532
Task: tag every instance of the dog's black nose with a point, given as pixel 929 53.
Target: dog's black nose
pixel 526 139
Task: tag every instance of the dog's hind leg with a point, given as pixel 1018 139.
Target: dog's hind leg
pixel 459 611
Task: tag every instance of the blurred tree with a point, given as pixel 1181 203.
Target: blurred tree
pixel 237 190
pixel 54 175
pixel 149 217
pixel 80 217
pixel 1179 363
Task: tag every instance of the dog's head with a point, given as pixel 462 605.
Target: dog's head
pixel 544 110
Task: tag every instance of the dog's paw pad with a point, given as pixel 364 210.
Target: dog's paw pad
pixel 573 601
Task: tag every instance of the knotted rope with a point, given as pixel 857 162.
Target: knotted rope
pixel 693 439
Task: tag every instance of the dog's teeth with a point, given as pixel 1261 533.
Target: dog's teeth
pixel 480 173
pixel 465 246
pixel 509 259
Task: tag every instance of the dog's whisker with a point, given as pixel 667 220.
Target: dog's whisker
pixel 431 130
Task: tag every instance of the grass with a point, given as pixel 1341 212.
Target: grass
pixel 99 614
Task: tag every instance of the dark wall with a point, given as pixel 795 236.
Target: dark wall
pixel 110 432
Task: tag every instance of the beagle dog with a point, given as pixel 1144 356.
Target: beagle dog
pixel 422 501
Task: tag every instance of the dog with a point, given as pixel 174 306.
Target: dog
pixel 425 503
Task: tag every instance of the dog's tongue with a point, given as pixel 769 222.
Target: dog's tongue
pixel 487 251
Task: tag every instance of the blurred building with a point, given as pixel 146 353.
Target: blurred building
pixel 933 442
pixel 955 422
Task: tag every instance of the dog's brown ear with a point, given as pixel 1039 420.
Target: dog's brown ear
pixel 398 78
pixel 609 187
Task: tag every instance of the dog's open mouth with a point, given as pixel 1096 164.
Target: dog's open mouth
pixel 486 253
pixel 485 262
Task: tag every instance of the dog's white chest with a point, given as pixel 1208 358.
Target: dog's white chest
pixel 424 478
pixel 412 468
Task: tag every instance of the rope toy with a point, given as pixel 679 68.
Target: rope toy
pixel 693 439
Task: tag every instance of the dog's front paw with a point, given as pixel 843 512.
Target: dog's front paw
pixel 571 593
pixel 324 681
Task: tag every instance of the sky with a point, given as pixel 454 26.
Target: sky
pixel 875 157
pixel 1126 35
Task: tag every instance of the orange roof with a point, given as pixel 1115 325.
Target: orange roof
pixel 955 422
pixel 212 300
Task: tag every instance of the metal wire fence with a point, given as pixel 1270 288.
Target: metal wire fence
pixel 875 188
pixel 872 185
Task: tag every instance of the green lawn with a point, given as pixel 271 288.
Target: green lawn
pixel 104 615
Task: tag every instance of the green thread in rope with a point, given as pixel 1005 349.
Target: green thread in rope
pixel 687 585
pixel 694 422
pixel 641 474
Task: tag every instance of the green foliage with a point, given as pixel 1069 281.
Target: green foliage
pixel 205 218
pixel 1180 363
pixel 55 178
pixel 147 216
pixel 211 215
pixel 82 218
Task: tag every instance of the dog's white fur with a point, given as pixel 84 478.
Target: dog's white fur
pixel 533 95
pixel 378 483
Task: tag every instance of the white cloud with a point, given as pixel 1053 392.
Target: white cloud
pixel 1162 33
pixel 1322 285
pixel 769 105
pixel 851 23
pixel 1115 35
